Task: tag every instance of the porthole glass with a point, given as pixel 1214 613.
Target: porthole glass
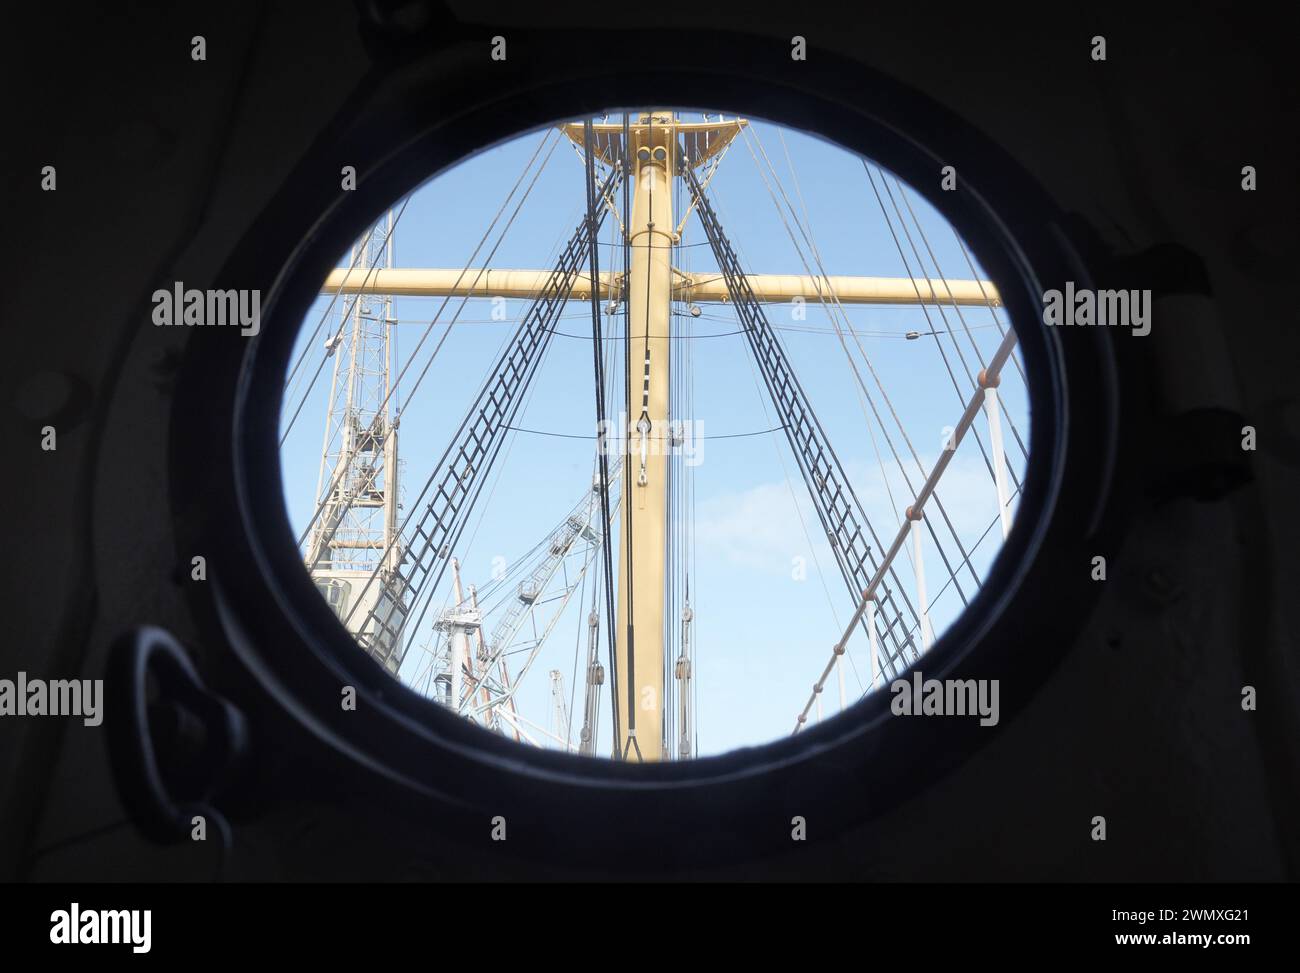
pixel 635 518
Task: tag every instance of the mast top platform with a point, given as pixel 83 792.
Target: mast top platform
pixel 697 142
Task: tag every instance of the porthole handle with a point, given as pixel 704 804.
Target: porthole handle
pixel 142 780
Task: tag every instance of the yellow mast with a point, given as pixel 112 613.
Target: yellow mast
pixel 642 585
pixel 640 635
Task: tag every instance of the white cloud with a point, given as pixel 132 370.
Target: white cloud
pixel 759 527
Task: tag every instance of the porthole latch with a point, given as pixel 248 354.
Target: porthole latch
pixel 175 746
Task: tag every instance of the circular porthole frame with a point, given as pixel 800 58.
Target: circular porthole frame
pixel 434 109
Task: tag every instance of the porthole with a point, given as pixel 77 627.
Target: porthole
pixel 425 117
pixel 443 444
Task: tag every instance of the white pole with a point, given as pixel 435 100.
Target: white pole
pixel 994 415
pixel 875 647
pixel 927 633
pixel 459 648
pixel 839 665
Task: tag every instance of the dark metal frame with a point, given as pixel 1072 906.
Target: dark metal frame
pixel 288 655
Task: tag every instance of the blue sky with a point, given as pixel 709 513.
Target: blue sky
pixel 762 635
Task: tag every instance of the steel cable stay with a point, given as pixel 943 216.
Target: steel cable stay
pixel 559 544
pixel 806 231
pixel 907 269
pixel 592 683
pixel 837 505
pixel 374 266
pixel 943 316
pixel 472 450
pixel 687 542
pixel 990 304
pixel 625 146
pixel 979 355
pixel 577 525
pixel 559 547
pixel 349 311
pixel 397 535
pixel 602 423
pixel 803 524
pixel 424 600
pixel 676 664
pixel 358 249
pixel 837 314
pixel 498 467
pixel 1004 461
pixel 1001 461
pixel 835 308
pixel 594 674
pixel 900 652
pixel 577 651
pixel 810 487
pixel 390 428
pixel 593 671
pixel 920 230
